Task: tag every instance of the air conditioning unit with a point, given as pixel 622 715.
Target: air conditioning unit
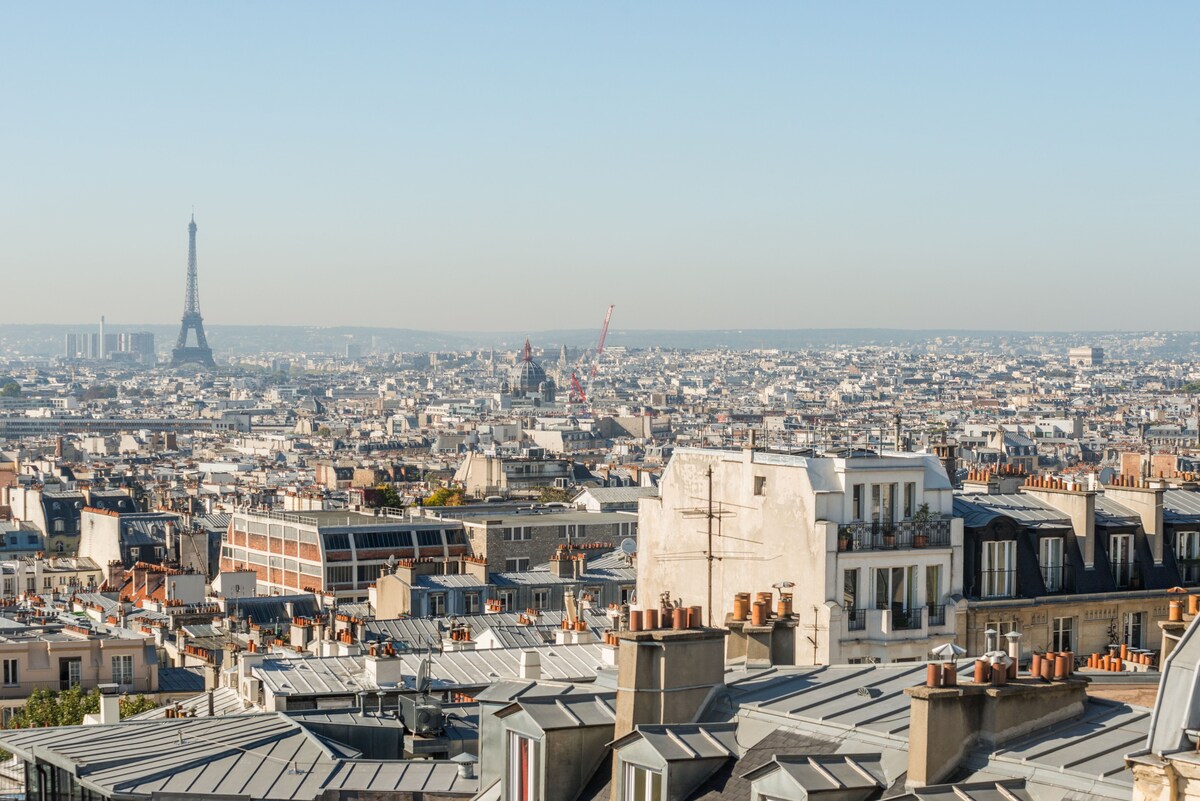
pixel 422 715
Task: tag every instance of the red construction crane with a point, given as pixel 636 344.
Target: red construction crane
pixel 600 343
pixel 577 393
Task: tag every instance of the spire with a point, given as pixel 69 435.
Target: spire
pixel 527 352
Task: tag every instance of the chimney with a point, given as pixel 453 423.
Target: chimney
pixel 1080 506
pixel 531 665
pixel 945 723
pixel 666 675
pixel 211 678
pixel 1148 503
pixel 110 704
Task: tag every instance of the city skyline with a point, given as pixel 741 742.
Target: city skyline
pixel 778 167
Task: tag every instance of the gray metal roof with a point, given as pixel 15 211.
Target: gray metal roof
pixel 1181 506
pixel 340 675
pixel 695 741
pixel 576 710
pixel 265 756
pixel 977 510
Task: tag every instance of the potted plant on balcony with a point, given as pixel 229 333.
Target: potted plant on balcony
pixel 845 541
pixel 920 521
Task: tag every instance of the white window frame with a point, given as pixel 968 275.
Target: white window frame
pixel 12 673
pixel 517 776
pixel 123 675
pixel 1062 634
pixel 998 563
pixel 1050 557
pixel 650 788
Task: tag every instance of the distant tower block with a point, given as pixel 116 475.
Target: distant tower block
pixel 200 353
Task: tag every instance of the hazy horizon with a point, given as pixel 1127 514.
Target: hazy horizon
pixel 706 167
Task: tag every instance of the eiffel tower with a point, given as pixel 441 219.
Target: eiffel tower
pixel 200 353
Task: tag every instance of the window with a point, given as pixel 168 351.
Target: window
pixel 522 780
pixel 857 511
pixel 1121 558
pixel 910 499
pixel 516 565
pixel 11 676
pixel 471 603
pixel 1133 628
pixel 122 669
pixel 933 585
pixel 59 527
pixel 642 784
pixel 437 604
pixel 760 485
pixel 850 589
pixel 627 593
pixel 70 672
pixel 998 569
pixel 541 599
pixel 1061 630
pixel 506 600
pixel 896 588
pixel 1051 559
pixel 517 533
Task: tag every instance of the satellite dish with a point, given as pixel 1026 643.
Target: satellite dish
pixel 628 546
pixel 1107 475
pixel 423 680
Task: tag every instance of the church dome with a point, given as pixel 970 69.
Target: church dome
pixel 529 374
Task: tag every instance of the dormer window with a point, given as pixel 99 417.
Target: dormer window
pixel 642 784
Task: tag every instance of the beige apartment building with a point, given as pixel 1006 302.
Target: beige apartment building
pixel 57 656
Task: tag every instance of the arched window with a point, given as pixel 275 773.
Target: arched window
pixel 60 548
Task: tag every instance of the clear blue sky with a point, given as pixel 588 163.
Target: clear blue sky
pixel 474 166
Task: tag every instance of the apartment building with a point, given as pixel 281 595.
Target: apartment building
pixel 1074 568
pixel 337 553
pixel 864 542
pixel 517 540
pixel 56 655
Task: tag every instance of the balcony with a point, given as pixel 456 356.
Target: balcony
pixel 907 534
pixel 997 584
pixel 937 614
pixel 906 619
pixel 1059 579
pixel 1127 575
pixel 856 619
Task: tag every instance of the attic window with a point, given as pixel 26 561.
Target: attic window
pixel 642 784
pixel 760 485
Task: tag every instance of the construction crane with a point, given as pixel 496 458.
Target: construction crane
pixel 599 348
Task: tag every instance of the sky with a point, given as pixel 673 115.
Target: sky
pixel 506 166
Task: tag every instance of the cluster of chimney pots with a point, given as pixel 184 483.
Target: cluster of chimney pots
pixel 667 617
pixel 759 611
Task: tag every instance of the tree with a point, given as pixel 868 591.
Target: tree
pixel 10 389
pixel 68 707
pixel 389 497
pixel 554 495
pixel 444 496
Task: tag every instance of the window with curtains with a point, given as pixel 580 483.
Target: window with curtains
pixel 522 783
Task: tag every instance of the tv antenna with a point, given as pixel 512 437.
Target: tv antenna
pixel 713 513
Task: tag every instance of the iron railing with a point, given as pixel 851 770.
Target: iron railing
pixel 1058 579
pixel 856 619
pixel 906 619
pixel 997 584
pixel 1127 575
pixel 883 536
pixel 937 614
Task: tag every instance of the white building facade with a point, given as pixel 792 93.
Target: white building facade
pixel 868 543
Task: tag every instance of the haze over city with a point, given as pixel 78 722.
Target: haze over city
pixel 489 167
